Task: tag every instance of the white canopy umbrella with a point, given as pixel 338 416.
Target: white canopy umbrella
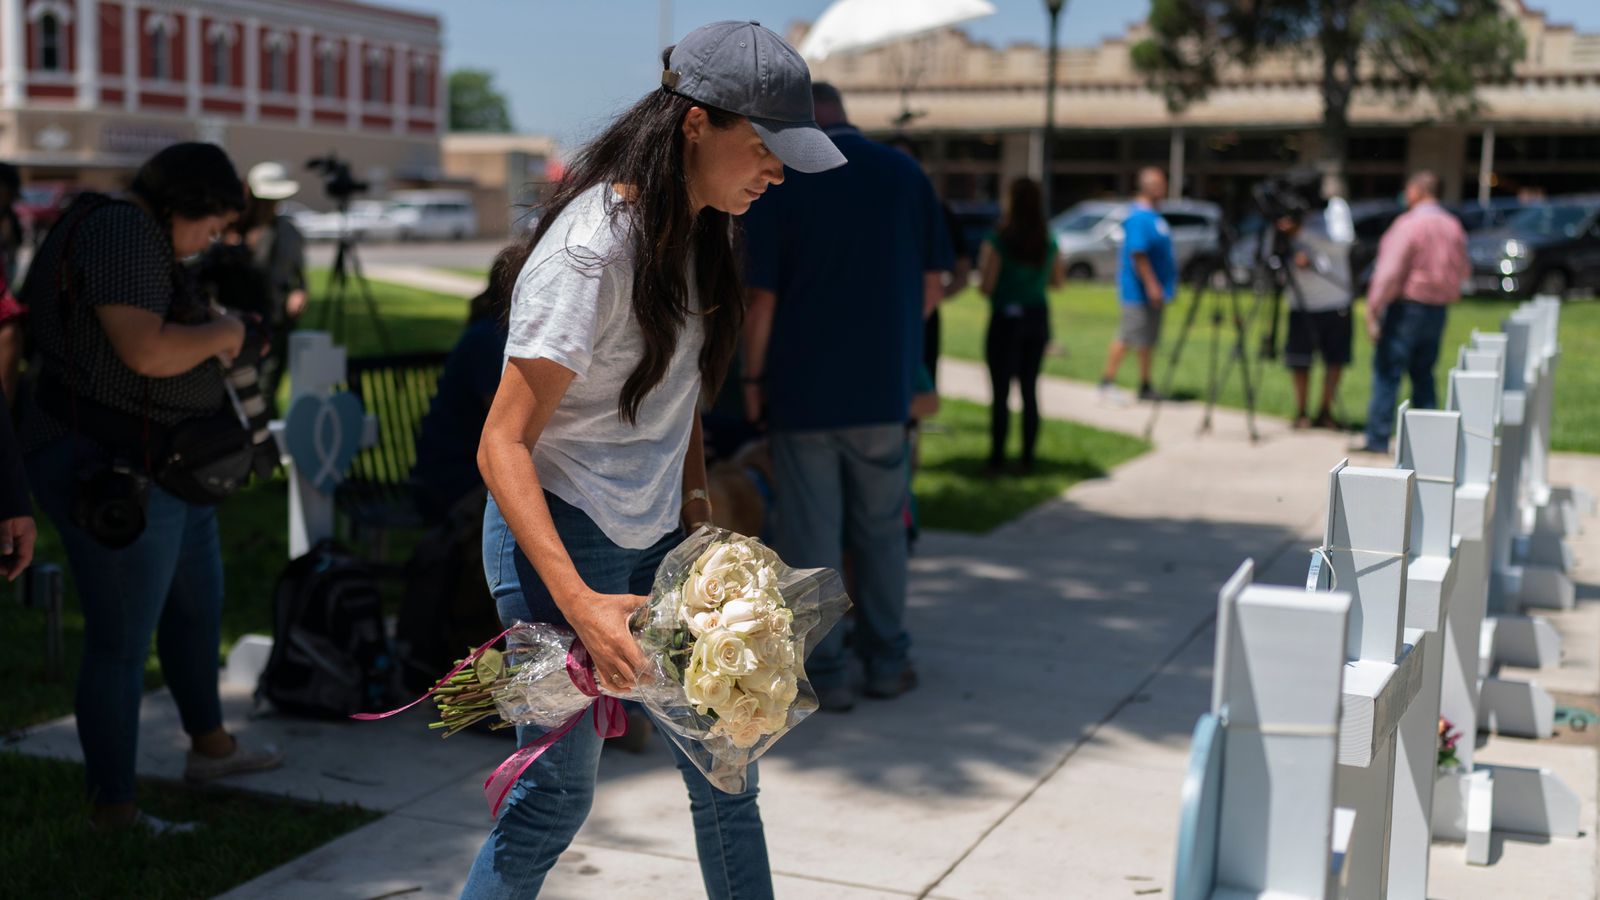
pixel 849 25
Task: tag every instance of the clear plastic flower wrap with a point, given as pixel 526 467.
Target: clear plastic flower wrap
pixel 536 688
pixel 724 636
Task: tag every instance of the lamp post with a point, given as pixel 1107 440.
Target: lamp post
pixel 1054 6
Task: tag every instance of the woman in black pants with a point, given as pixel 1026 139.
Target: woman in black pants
pixel 1018 263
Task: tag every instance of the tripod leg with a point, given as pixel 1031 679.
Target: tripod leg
pixel 1177 352
pixel 372 304
pixel 1213 386
pixel 331 288
pixel 1249 391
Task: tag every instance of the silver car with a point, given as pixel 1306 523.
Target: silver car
pixel 1089 235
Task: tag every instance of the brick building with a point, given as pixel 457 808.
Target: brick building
pixel 90 88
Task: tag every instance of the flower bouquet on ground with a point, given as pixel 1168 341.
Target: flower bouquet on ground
pixel 725 635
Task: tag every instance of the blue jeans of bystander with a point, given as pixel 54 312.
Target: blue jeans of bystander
pixel 1408 345
pixel 847 488
pixel 166 584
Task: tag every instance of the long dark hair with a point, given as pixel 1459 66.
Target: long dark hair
pixel 1023 234
pixel 643 149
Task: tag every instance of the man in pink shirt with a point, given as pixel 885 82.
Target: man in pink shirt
pixel 1421 264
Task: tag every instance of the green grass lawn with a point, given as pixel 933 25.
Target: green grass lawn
pixel 50 850
pixel 1084 319
pixel 415 320
pixel 953 493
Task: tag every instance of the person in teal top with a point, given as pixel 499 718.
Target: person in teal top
pixel 1018 264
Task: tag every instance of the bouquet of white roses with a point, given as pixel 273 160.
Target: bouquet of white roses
pixel 724 635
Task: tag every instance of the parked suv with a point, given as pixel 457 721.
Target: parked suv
pixel 1546 249
pixel 432 215
pixel 1089 234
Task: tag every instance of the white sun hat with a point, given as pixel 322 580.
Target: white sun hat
pixel 271 181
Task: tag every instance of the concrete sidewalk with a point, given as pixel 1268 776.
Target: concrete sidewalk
pixel 1064 659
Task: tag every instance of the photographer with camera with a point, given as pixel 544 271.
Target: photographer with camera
pixel 1320 298
pixel 259 266
pixel 130 440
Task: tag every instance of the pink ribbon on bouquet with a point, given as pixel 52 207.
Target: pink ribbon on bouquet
pixel 609 718
pixel 609 721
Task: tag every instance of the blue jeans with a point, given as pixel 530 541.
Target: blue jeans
pixel 1408 345
pixel 166 584
pixel 847 488
pixel 549 802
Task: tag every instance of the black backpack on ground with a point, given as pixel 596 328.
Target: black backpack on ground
pixel 330 655
pixel 446 610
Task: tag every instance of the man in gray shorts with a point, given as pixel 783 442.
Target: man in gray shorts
pixel 1140 327
pixel 1147 277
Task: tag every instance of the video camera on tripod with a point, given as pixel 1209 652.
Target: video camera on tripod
pixel 337 180
pixel 340 185
pixel 1290 195
pixel 1284 202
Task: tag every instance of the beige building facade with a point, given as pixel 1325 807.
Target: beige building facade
pixel 508 174
pixel 977 113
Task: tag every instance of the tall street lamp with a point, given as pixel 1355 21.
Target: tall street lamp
pixel 1054 6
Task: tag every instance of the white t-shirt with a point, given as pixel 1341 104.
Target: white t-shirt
pixel 573 305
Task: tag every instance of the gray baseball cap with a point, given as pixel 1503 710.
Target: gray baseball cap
pixel 746 69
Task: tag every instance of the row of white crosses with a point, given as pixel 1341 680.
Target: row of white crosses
pixel 1315 773
pixel 1530 561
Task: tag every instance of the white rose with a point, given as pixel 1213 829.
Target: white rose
pixel 715 556
pixel 704 592
pixel 748 735
pixel 774 714
pixel 779 620
pixel 707 691
pixel 725 653
pixel 701 622
pixel 777 684
pixel 739 711
pixel 769 650
pixel 747 617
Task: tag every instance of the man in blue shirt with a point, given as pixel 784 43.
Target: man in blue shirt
pixel 1147 278
pixel 842 270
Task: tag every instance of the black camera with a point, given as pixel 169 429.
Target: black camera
pixel 337 181
pixel 110 502
pixel 1290 195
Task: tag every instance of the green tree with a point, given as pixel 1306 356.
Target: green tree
pixel 475 104
pixel 1402 48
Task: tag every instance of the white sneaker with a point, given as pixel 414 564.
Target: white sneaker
pixel 1111 395
pixel 161 827
pixel 152 825
pixel 243 759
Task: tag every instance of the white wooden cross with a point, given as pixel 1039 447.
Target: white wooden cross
pixel 1568 502
pixel 1463 800
pixel 316 366
pixel 1258 814
pixel 1366 546
pixel 1429 446
pixel 1509 637
pixel 1544 561
pixel 1505 585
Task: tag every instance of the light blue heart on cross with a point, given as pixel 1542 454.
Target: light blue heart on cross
pixel 323 434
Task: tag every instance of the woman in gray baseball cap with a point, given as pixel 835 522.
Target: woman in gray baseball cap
pixel 626 303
